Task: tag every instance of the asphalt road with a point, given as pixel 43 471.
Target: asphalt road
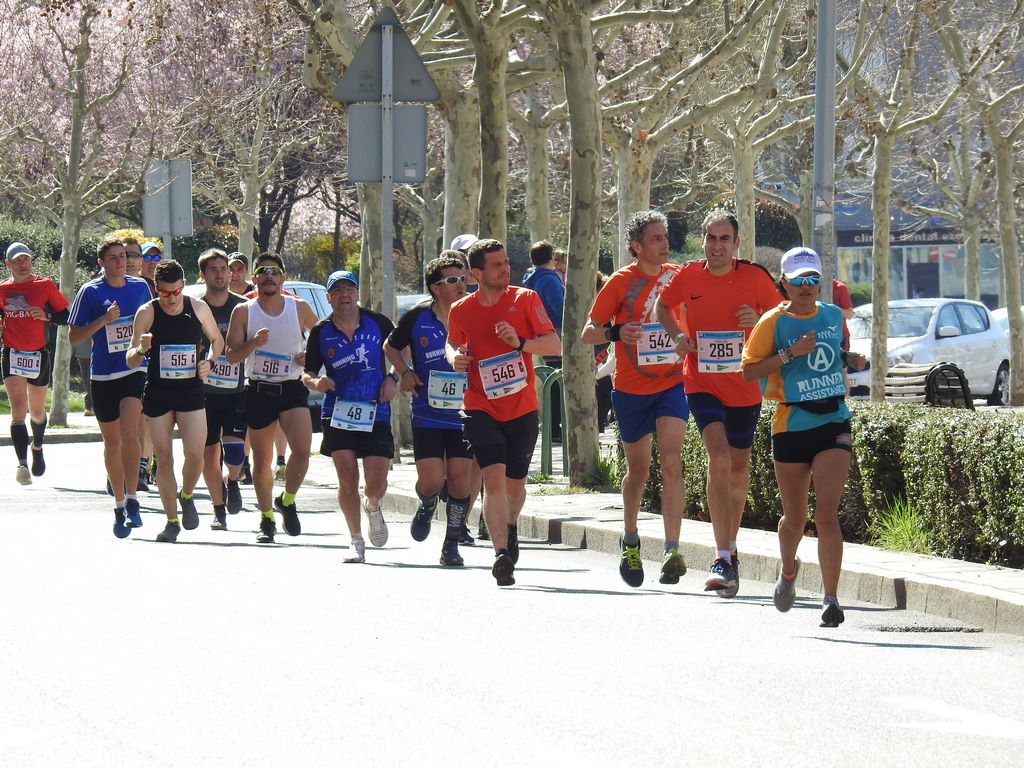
pixel 217 651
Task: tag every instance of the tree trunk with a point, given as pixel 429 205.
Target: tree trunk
pixel 1009 255
pixel 489 78
pixel 58 415
pixel 634 161
pixel 805 217
pixel 881 180
pixel 970 225
pixel 538 201
pixel 743 169
pixel 431 218
pixel 576 54
pixel 461 167
pixel 370 277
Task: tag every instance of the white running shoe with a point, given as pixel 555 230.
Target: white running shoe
pixel 358 549
pixel 378 528
pixel 24 477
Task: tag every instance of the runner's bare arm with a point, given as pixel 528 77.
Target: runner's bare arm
pixel 141 337
pixel 209 329
pixel 403 366
pixel 238 348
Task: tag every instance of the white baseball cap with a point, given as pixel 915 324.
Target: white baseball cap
pixel 14 250
pixel 800 261
pixel 462 242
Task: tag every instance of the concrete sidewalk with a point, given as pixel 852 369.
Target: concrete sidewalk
pixel 983 596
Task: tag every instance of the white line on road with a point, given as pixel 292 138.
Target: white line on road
pixel 960 719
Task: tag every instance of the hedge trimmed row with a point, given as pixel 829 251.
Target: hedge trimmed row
pixel 960 470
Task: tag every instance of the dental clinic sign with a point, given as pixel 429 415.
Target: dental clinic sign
pixel 862 238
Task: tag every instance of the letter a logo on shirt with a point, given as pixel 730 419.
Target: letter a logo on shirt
pixel 821 358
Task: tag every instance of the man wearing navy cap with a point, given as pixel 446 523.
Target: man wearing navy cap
pixel 357 387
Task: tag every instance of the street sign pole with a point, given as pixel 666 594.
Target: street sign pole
pixel 387 179
pixel 824 191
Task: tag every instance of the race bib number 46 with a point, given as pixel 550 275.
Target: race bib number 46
pixel 445 389
pixel 223 375
pixel 271 365
pixel 119 334
pixel 655 346
pixel 177 361
pixel 28 365
pixel 503 375
pixel 353 415
pixel 719 351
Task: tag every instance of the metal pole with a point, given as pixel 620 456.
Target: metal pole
pixel 824 186
pixel 386 170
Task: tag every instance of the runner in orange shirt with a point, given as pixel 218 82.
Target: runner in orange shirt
pixel 723 298
pixel 492 335
pixel 647 389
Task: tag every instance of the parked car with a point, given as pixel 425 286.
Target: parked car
pixel 1002 320
pixel 939 331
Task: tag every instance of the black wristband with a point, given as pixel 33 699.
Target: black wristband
pixel 522 343
pixel 614 333
pixel 394 377
pixel 843 356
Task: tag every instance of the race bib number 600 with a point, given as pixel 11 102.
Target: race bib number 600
pixel 503 375
pixel 655 346
pixel 28 365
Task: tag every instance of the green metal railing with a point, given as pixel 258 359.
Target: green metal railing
pixel 549 377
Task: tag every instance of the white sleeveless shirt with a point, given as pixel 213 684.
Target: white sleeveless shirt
pixel 275 360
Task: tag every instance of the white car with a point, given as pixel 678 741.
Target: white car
pixel 939 331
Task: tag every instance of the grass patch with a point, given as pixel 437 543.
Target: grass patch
pixel 76 402
pixel 561 490
pixel 900 529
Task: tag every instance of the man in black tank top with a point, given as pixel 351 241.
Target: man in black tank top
pixel 172 330
pixel 225 419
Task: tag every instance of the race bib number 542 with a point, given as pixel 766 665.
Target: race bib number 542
pixel 655 346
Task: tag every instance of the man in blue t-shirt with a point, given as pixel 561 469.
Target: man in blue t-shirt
pixel 104 309
pixel 547 281
pixel 416 350
pixel 349 346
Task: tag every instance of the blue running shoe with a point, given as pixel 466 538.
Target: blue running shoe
pixel 120 529
pixel 131 509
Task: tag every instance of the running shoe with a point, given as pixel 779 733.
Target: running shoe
pixel 378 527
pixel 481 531
pixel 721 578
pixel 734 590
pixel 38 462
pixel 220 519
pixel 420 526
pixel 245 476
pixel 631 567
pixel 189 513
pixel 267 530
pixel 170 533
pixel 450 554
pixel 133 513
pixel 358 548
pixel 233 497
pixel 142 487
pixel 513 543
pixel 832 616
pixel 673 567
pixel 120 529
pixel 465 537
pixel 292 526
pixel 785 590
pixel 23 476
pixel 279 473
pixel 503 570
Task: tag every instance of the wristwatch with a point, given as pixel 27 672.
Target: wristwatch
pixel 394 377
pixel 785 355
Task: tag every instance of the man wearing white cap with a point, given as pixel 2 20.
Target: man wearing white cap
pixel 27 302
pixel 461 244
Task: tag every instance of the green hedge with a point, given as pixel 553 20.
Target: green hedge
pixel 960 470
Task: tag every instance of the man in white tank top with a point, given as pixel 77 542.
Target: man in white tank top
pixel 267 333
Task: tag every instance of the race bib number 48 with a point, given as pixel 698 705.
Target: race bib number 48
pixel 28 365
pixel 119 334
pixel 177 361
pixel 445 389
pixel 503 375
pixel 353 415
pixel 719 351
pixel 655 346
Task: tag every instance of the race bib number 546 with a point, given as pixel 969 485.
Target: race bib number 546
pixel 503 375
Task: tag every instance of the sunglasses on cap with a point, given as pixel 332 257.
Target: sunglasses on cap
pixel 152 257
pixel 797 282
pixel 168 294
pixel 451 280
pixel 271 271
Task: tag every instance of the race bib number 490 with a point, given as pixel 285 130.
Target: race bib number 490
pixel 177 361
pixel 503 375
pixel 119 334
pixel 719 351
pixel 353 415
pixel 655 346
pixel 271 365
pixel 28 365
pixel 223 375
pixel 445 389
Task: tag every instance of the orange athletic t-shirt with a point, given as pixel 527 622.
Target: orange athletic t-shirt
pixel 711 303
pixel 629 296
pixel 471 328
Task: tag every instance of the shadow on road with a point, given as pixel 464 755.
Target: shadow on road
pixel 916 646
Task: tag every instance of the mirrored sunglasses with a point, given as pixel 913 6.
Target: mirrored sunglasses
pixel 272 271
pixel 797 282
pixel 168 294
pixel 152 257
pixel 452 280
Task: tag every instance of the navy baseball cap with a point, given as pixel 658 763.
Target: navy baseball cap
pixel 341 274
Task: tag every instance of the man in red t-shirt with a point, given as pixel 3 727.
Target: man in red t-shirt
pixel 492 336
pixel 723 297
pixel 27 302
pixel 647 392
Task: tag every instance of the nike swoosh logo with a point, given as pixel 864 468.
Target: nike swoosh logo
pixel 694 298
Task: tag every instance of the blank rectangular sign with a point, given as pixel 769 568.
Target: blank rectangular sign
pixel 410 143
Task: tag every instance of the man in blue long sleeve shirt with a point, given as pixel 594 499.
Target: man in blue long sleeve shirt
pixel 546 281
